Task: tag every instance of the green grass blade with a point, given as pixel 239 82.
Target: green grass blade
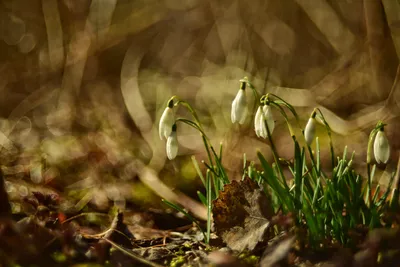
pixel 298 170
pixel 202 198
pixel 187 215
pixel 222 172
pixel 209 205
pixel 197 168
pixel 272 180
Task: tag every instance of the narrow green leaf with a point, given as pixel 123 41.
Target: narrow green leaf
pixel 209 205
pixel 190 217
pixel 202 198
pixel 197 168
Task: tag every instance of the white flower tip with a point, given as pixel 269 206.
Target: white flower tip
pixel 239 107
pixel 257 125
pixel 172 144
pixel 309 131
pixel 381 148
pixel 269 118
pixel 166 122
pixel 262 120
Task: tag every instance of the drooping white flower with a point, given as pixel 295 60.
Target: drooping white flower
pixel 167 120
pixel 257 119
pixel 239 106
pixel 172 144
pixel 381 147
pixel 264 114
pixel 267 112
pixel 309 131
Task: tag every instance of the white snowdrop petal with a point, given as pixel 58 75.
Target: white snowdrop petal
pixel 233 111
pixel 257 119
pixel 269 118
pixel 263 129
pixel 309 131
pixel 381 148
pixel 166 122
pixel 172 146
pixel 239 107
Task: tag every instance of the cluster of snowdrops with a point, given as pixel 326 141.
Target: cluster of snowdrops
pixel 263 122
pixel 317 200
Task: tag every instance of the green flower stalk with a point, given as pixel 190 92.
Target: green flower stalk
pixel 216 175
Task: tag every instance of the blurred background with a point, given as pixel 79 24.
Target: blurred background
pixel 83 85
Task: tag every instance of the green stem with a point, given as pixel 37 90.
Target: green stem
pixel 191 110
pixel 256 94
pixel 209 205
pixel 368 196
pixel 276 158
pixel 290 107
pixel 328 129
pixel 203 136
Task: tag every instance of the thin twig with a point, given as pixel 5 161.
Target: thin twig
pixel 131 254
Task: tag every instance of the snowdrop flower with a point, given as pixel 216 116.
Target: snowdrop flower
pixel 257 119
pixel 309 131
pixel 172 144
pixel 239 105
pixel 381 147
pixel 264 114
pixel 167 120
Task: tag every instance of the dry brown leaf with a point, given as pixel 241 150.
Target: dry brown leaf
pixel 242 215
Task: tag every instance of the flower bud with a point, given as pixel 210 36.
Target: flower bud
pixel 381 147
pixel 309 131
pixel 239 106
pixel 257 119
pixel 167 120
pixel 172 144
pixel 267 112
pixel 264 114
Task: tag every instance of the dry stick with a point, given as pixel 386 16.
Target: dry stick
pixel 84 214
pixel 107 235
pixel 376 39
pixel 131 254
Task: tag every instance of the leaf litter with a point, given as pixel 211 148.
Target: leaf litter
pixel 48 235
pixel 242 215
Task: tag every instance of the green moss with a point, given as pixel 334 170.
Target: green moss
pixel 59 257
pixel 248 258
pixel 177 261
pixel 142 195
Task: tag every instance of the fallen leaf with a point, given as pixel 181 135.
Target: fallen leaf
pixel 242 215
